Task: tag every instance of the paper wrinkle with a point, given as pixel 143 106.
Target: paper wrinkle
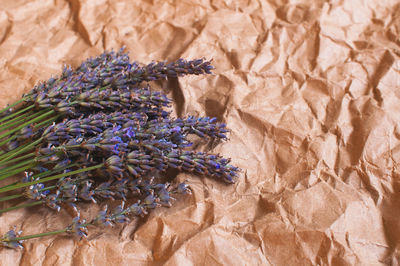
pixel 310 92
pixel 78 26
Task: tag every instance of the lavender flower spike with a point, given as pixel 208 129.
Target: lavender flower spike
pixel 78 227
pixel 9 239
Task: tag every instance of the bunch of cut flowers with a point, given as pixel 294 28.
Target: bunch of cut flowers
pixel 100 132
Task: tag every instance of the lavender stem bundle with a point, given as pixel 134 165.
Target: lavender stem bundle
pixel 94 133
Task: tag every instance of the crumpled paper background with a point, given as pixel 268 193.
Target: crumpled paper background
pixel 310 89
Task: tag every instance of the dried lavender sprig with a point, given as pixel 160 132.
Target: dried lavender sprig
pixel 120 76
pixel 134 74
pixel 70 190
pixel 91 73
pixel 78 227
pixel 125 131
pixel 203 164
pixel 201 126
pixel 161 70
pixel 139 163
pixel 107 98
pixel 89 126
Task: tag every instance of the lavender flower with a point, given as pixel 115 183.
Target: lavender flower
pixel 161 70
pixel 102 218
pixel 9 239
pixel 183 189
pixel 119 214
pixel 78 227
pixel 53 201
pixel 35 192
pixel 203 163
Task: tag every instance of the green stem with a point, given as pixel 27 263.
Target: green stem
pixel 12 105
pixel 17 171
pixel 22 206
pixel 47 122
pixel 16 196
pixel 4 142
pixel 18 159
pixel 44 174
pixel 17 113
pixel 42 234
pixel 24 117
pixel 27 123
pixel 43 180
pixel 39 235
pixel 12 184
pixel 12 167
pixel 19 150
pixel 37 126
pixel 15 120
pixel 53 171
pixel 26 165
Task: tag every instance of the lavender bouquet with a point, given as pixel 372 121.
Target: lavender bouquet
pixel 97 132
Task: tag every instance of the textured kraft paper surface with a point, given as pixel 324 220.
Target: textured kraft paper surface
pixel 310 90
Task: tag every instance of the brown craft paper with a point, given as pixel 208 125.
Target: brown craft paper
pixel 310 90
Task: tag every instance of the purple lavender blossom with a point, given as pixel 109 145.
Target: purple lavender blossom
pixel 9 239
pixel 78 227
